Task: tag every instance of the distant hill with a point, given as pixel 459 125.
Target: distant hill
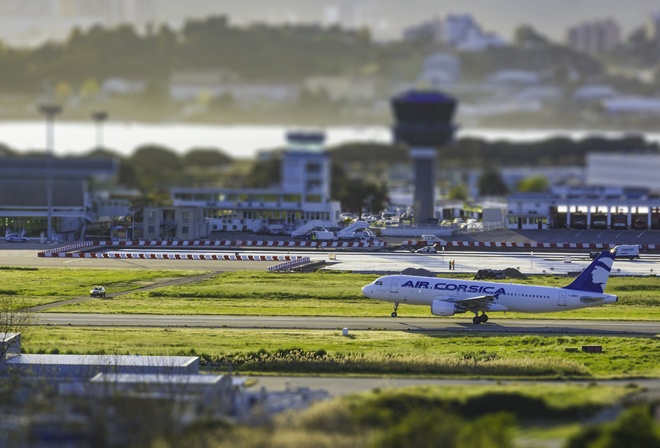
pixel 502 16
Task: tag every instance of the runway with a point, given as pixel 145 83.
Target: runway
pixel 449 326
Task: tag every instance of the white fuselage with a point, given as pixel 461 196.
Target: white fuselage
pixel 416 290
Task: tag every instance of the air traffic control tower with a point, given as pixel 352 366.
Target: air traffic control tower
pixel 423 123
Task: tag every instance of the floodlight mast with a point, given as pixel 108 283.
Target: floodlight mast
pixel 50 111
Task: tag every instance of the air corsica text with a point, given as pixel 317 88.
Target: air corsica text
pixel 459 287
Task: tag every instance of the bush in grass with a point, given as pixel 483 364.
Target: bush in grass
pixel 305 361
pixel 635 428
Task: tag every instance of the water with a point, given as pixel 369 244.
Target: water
pixel 241 141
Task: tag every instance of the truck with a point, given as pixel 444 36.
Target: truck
pixel 630 251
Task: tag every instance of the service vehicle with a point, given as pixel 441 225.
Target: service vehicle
pixel 14 238
pixel 97 291
pixel 630 251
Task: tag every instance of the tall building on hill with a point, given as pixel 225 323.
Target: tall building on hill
pixel 458 31
pixel 652 28
pixel 594 37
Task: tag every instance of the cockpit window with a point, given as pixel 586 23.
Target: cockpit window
pixel 378 282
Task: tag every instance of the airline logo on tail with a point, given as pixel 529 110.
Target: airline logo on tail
pixel 594 277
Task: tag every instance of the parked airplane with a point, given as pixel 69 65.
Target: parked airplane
pixel 451 296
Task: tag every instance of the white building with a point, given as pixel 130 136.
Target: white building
pixel 627 170
pixel 652 27
pixel 594 37
pixel 459 31
pixel 632 105
pixel 302 198
pixel 440 70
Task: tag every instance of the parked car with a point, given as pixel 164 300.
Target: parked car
pixel 16 239
pixel 97 291
pixel 427 250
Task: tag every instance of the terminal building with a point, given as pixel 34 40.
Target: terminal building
pixel 302 198
pixel 622 192
pixel 35 190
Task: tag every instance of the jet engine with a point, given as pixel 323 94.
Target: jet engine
pixel 442 308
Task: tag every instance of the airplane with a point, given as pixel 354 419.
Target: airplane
pixel 447 297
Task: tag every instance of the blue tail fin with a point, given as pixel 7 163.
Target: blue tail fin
pixel 595 276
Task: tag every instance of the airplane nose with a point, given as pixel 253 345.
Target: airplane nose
pixel 366 290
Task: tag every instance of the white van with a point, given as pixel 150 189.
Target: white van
pixel 627 251
pixel 630 251
pixel 431 240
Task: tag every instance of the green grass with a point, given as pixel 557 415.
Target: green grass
pixel 366 352
pixel 41 286
pixel 338 294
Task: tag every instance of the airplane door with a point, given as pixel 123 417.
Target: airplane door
pixel 394 287
pixel 562 299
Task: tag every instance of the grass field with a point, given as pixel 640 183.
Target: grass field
pixel 325 294
pixel 366 352
pixel 334 294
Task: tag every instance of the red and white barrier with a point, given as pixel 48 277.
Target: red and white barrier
pixel 221 244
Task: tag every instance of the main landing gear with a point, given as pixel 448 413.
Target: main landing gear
pixel 396 305
pixel 477 319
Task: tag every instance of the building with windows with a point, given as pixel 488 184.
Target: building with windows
pixel 586 208
pixel 652 28
pixel 594 37
pixel 302 197
pixel 32 189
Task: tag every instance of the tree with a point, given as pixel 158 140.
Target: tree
pixel 459 192
pixel 206 157
pixel 534 184
pixel 156 166
pixel 264 174
pixel 491 183
pixel 89 89
pixel 13 319
pixel 526 36
pixel 356 194
pixel 635 428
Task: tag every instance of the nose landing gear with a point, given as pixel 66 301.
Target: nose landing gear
pixel 396 305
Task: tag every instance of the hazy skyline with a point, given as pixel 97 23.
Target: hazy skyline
pixel 502 16
pixel 387 18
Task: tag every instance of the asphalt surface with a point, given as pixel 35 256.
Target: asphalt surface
pixel 436 324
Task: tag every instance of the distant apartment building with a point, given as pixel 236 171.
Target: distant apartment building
pixel 652 28
pixel 459 31
pixel 594 37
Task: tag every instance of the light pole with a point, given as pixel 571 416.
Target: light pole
pixel 99 117
pixel 50 111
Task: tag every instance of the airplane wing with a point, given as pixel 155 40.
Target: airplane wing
pixel 476 303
